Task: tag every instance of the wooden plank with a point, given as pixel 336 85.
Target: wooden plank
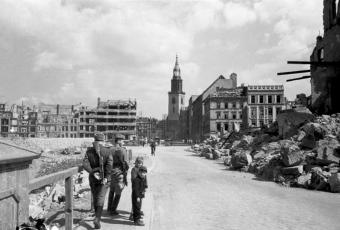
pixel 294 72
pixel 69 203
pixel 299 78
pixel 6 193
pixel 52 178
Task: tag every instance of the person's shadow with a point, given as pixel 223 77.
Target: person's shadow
pixel 122 218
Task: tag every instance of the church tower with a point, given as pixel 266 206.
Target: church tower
pixel 176 95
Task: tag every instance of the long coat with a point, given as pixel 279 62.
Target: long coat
pixel 98 162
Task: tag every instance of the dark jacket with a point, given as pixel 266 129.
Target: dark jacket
pixel 118 158
pixel 138 186
pixel 134 174
pixel 101 162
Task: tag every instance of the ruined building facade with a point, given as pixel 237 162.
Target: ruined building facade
pixel 264 102
pixel 325 63
pixel 175 103
pixel 197 111
pixel 224 111
pixel 109 117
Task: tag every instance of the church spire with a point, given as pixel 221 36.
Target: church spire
pixel 177 70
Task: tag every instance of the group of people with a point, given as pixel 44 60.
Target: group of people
pixel 108 170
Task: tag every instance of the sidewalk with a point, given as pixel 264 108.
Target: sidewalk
pixel 122 221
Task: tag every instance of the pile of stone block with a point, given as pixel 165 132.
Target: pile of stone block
pixel 305 153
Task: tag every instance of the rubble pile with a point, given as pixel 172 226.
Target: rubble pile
pixel 52 197
pixel 308 156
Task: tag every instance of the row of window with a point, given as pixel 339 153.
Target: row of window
pixel 224 105
pixel 265 99
pixel 261 122
pixel 226 126
pixel 228 115
pixel 263 111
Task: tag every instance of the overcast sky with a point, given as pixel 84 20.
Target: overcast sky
pixel 71 51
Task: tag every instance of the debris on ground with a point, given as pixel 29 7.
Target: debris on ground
pixel 298 150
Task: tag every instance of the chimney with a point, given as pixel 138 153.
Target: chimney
pixel 233 77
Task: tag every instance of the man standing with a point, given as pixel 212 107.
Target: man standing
pixel 118 175
pixel 153 147
pixel 98 163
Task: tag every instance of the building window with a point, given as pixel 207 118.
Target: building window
pixel 252 99
pixel 253 112
pixel 234 104
pixel 182 101
pixel 218 115
pixel 270 111
pixel 234 115
pixel 261 112
pixel 226 116
pixel 321 55
pixel 278 99
pixel 218 126
pixel 278 110
pixel 270 99
pixel 218 105
pixel 261 99
pixel 226 126
pixel 253 122
pixel 173 100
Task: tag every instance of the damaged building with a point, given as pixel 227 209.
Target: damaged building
pixel 325 63
pixel 223 110
pixel 110 117
pixel 264 102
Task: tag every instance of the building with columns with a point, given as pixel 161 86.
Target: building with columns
pixel 175 103
pixel 264 103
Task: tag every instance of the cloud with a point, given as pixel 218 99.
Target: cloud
pixel 238 14
pixel 74 51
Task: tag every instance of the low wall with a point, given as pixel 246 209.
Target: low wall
pixel 59 143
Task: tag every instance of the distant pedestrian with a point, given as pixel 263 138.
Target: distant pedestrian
pixel 153 148
pixel 139 186
pixel 98 163
pixel 118 175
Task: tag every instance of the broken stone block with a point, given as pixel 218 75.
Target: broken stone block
pixel 304 180
pixel 241 159
pixel 291 154
pixel 334 182
pixel 308 141
pixel 295 170
pixel 315 129
pixel 290 121
pixel 300 135
pixel 328 151
pixel 227 161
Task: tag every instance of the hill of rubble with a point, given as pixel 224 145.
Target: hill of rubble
pixel 298 150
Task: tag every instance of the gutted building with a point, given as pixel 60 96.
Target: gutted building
pixel 325 63
pixel 110 117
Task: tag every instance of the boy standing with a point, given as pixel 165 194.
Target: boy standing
pixel 138 193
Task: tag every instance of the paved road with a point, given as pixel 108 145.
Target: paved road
pixel 190 192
